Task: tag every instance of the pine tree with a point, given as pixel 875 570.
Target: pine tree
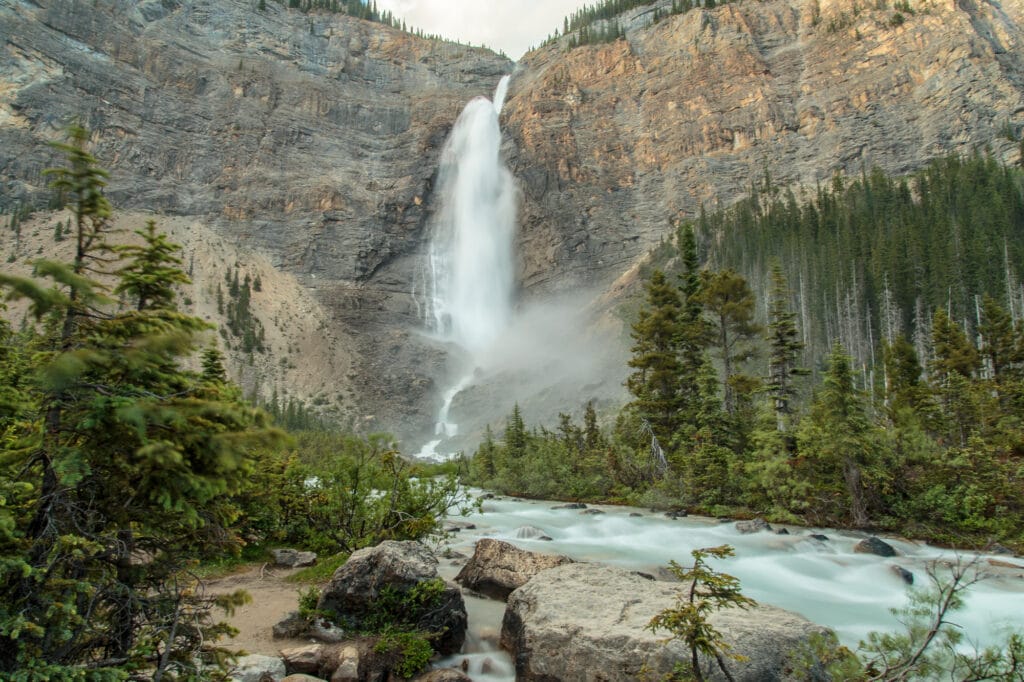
pixel 839 437
pixel 729 301
pixel 120 451
pixel 784 347
pixel 655 383
pixel 952 368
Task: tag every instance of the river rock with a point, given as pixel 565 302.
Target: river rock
pixel 293 558
pixel 903 574
pixel 819 537
pixel 398 566
pixel 592 512
pixel 497 568
pixel 572 620
pixel 451 526
pixel 752 526
pixel 678 514
pixel 303 659
pixel 873 545
pixel 341 663
pixel 571 505
pixel 255 668
pixel 532 533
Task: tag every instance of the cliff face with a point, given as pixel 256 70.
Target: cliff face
pixel 303 148
pixel 308 142
pixel 613 143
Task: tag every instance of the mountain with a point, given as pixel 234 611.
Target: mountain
pixel 302 149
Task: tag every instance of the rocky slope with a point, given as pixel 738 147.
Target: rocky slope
pixel 304 147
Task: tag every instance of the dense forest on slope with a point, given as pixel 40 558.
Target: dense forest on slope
pixel 874 257
pixel 726 415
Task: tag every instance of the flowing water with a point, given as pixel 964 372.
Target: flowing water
pixel 826 581
pixel 470 259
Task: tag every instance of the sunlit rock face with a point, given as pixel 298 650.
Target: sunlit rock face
pixel 612 143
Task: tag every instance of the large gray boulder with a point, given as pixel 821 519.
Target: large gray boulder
pixel 257 667
pixel 499 567
pixel 570 621
pixel 393 569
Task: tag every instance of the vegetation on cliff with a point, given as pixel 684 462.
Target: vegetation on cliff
pixel 926 441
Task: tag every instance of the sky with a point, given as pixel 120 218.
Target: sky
pixel 512 26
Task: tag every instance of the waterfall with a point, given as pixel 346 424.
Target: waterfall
pixel 470 258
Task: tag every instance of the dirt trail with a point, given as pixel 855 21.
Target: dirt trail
pixel 272 599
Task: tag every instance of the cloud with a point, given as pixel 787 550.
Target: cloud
pixel 511 26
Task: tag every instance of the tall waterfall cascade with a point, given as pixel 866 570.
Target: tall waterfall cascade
pixel 469 274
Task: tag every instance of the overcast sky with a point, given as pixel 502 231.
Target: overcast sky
pixel 509 25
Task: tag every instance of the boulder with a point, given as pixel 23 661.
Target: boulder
pixel 592 512
pixel 572 620
pixel 323 630
pixel 532 533
pixel 873 545
pixel 677 514
pixel 354 592
pixel 497 568
pixel 341 663
pixel 571 505
pixel 292 627
pixel 303 659
pixel 293 558
pixel 752 526
pixel 782 531
pixel 302 677
pixel 819 537
pixel 256 667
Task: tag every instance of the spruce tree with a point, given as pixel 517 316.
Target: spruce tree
pixel 730 303
pixel 658 395
pixel 784 348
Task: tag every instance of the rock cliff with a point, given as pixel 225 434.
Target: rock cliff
pixel 304 147
pixel 614 142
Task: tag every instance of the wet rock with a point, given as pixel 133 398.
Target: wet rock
pixel 532 533
pixel 782 531
pixel 292 627
pixel 496 568
pixel 255 667
pixel 571 505
pixel 303 659
pixel 819 537
pixel 572 620
pixel 293 558
pixel 636 515
pixel 677 514
pixel 355 587
pixel 876 546
pixel 753 526
pixel 903 574
pixel 458 526
pixel 591 512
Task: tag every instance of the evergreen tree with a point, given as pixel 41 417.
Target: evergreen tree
pixel 729 301
pixel 953 366
pixel 655 383
pixel 784 347
pixel 839 437
pixel 119 452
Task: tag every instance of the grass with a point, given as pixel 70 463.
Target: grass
pixel 321 572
